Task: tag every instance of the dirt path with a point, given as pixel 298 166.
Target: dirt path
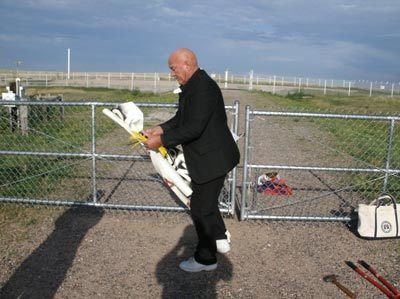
pixel 104 254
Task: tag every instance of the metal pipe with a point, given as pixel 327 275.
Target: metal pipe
pixel 298 218
pixel 72 203
pixel 324 115
pixel 234 171
pixel 76 155
pixel 94 187
pixel 337 169
pixel 389 154
pixel 245 168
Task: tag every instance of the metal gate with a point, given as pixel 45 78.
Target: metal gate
pixel 70 154
pixel 314 166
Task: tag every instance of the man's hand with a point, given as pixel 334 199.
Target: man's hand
pixel 153 142
pixel 154 131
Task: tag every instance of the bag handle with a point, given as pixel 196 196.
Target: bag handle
pixel 381 199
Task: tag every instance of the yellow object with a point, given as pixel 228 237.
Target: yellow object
pixel 139 138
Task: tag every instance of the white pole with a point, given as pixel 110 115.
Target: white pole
pixel 109 80
pixel 349 88
pixel 282 81
pixel 370 89
pixel 69 62
pixel 132 86
pixel 251 80
pixel 155 82
pixel 299 84
pixel 307 82
pixel 392 89
pixel 325 87
pixel 273 88
pixel 226 79
pixel 87 79
pixel 332 84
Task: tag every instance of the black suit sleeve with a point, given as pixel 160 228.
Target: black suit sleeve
pixel 200 108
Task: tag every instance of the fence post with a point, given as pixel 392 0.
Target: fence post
pixel 325 88
pixel 235 125
pixel 251 80
pixel 226 79
pixel 94 186
pixel 370 90
pixel 349 88
pixel 87 80
pixel 299 84
pixel 389 154
pixel 273 87
pixel 132 83
pixel 155 82
pixel 392 90
pixel 245 161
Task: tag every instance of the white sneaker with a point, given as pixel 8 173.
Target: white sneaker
pixel 223 245
pixel 192 266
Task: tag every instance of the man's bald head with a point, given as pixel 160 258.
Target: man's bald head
pixel 183 64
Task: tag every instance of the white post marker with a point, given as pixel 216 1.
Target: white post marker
pixel 69 62
pixel 325 87
pixel 109 80
pixel 251 80
pixel 273 87
pixel 155 83
pixel 370 89
pixel 132 83
pixel 392 90
pixel 349 88
pixel 299 84
pixel 226 79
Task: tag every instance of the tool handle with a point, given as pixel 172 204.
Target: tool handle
pixel 345 290
pixel 384 290
pixel 391 287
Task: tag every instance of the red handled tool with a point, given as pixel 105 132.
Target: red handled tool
pixel 388 289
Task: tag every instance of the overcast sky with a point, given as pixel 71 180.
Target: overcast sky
pixel 307 38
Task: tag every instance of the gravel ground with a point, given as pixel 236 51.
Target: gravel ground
pixel 103 254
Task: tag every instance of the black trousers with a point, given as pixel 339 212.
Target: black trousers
pixel 207 219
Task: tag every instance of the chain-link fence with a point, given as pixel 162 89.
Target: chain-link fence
pixel 163 82
pixel 69 153
pixel 310 166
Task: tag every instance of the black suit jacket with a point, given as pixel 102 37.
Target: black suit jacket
pixel 200 126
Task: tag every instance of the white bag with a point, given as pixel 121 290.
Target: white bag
pixel 379 219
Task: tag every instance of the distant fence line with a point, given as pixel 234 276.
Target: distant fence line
pixel 163 82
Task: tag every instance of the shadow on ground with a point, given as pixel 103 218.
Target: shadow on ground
pixel 179 284
pixel 41 274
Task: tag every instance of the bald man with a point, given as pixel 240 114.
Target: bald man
pixel 200 126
